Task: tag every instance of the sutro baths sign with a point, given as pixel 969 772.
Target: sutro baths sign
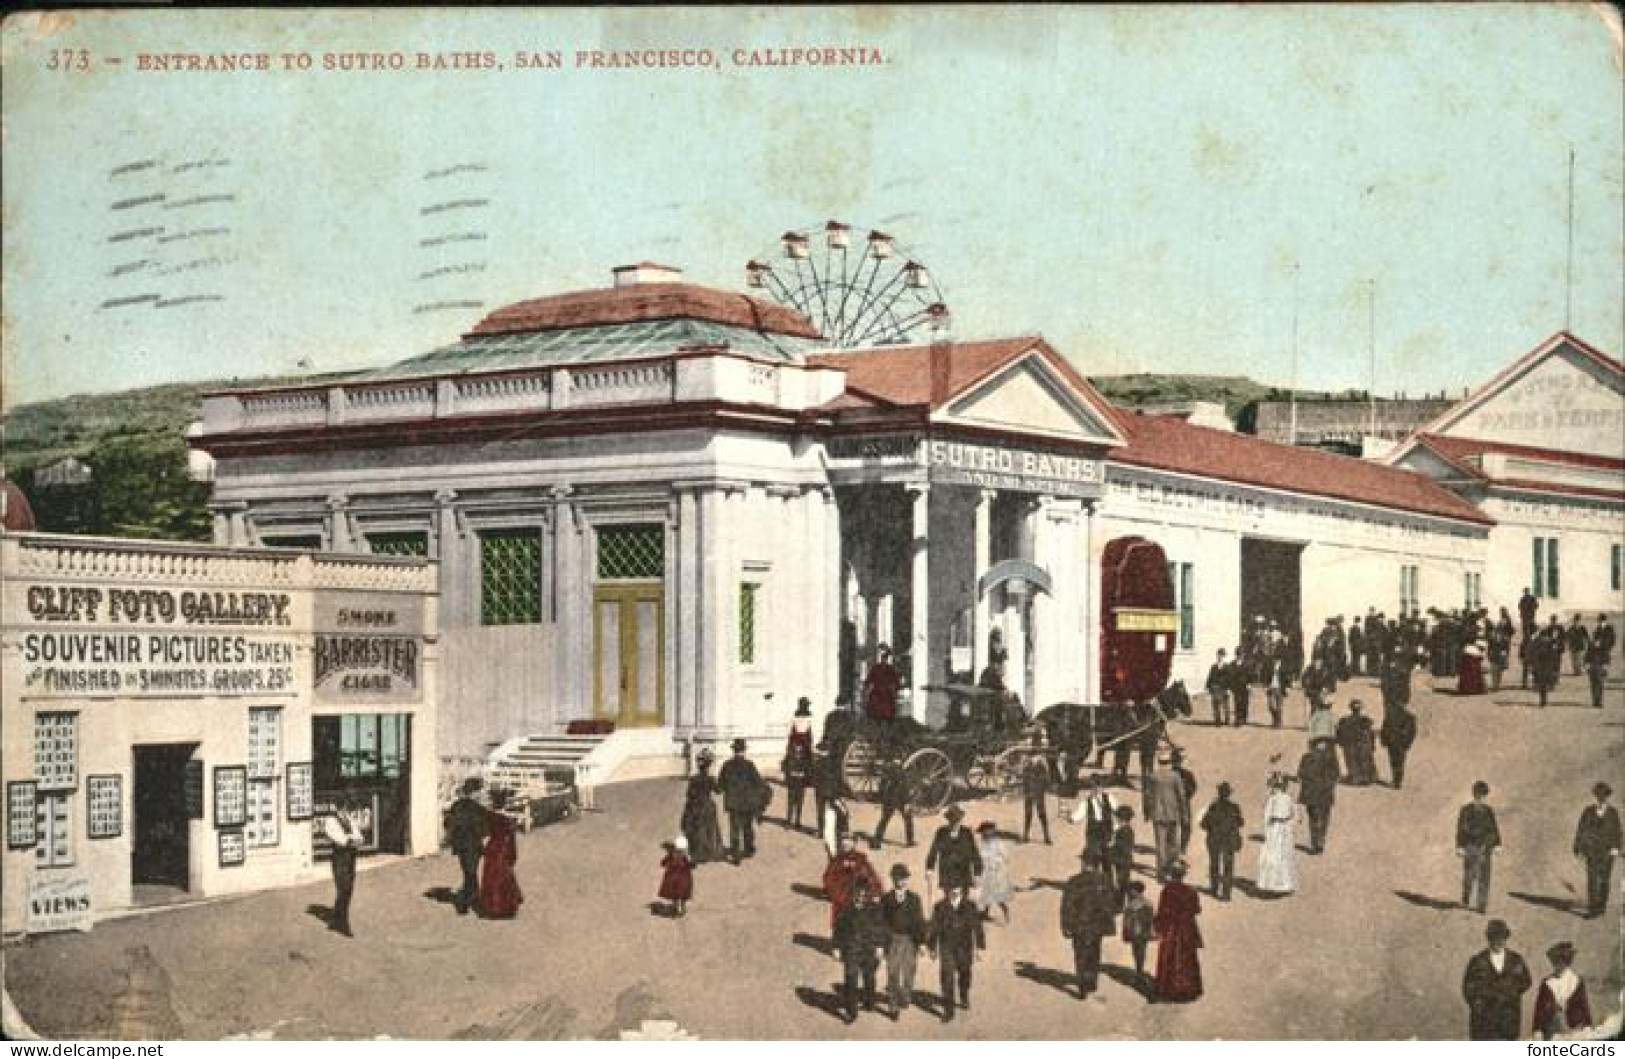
pixel 1010 469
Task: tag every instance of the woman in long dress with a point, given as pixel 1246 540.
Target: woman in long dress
pixel 699 824
pixel 1278 860
pixel 1470 675
pixel 995 889
pixel 499 890
pixel 1179 972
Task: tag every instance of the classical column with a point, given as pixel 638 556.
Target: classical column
pixel 230 522
pixel 708 628
pixel 920 588
pixel 447 547
pixel 687 643
pixel 983 542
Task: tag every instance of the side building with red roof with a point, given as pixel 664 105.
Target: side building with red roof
pixel 1540 448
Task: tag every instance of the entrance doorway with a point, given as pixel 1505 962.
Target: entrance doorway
pixel 629 651
pixel 161 854
pixel 1271 584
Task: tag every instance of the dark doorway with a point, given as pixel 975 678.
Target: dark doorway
pixel 162 851
pixel 1271 584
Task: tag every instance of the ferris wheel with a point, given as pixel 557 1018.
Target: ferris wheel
pixel 870 294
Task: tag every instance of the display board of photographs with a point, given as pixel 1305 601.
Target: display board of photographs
pixel 233 848
pixel 230 796
pixel 22 830
pixel 301 791
pixel 56 751
pixel 194 790
pixel 105 803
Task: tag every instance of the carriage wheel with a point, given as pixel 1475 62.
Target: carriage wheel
pixel 930 780
pixel 1008 768
pixel 860 768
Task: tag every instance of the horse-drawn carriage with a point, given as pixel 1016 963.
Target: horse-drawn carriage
pixel 982 747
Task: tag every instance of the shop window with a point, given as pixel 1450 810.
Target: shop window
pixel 632 552
pixel 310 542
pixel 1545 582
pixel 1472 590
pixel 749 600
pixel 264 774
pixel 54 827
pixel 56 751
pixel 411 544
pixel 510 577
pixel 373 746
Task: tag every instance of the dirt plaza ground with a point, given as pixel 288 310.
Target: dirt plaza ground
pixel 1373 945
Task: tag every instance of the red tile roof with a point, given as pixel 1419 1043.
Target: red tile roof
pixel 15 514
pixel 901 375
pixel 651 301
pixel 1164 443
pixel 1459 450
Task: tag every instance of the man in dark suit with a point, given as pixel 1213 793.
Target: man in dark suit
pixel 1223 824
pixel 955 938
pixel 1317 790
pixel 466 825
pixel 1546 658
pixel 1528 607
pixel 1241 675
pixel 1097 813
pixel 1596 659
pixel 1493 987
pixel 1477 839
pixel 860 934
pixel 954 859
pixel 742 799
pixel 1603 633
pixel 1576 638
pixel 1597 842
pixel 1035 790
pixel 1088 914
pixel 905 921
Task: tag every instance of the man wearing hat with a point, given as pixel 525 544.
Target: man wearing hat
pixel 1165 804
pixel 860 934
pixel 1596 664
pixel 1317 790
pixel 1477 838
pixel 1223 823
pixel 466 825
pixel 1097 813
pixel 905 920
pixel 953 859
pixel 955 937
pixel 1088 914
pixel 1597 842
pixel 743 800
pixel 1494 985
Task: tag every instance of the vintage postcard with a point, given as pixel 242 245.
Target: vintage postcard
pixel 867 523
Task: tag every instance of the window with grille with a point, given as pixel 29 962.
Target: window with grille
pixel 1473 589
pixel 1409 595
pixel 1183 576
pixel 749 598
pixel 264 772
pixel 632 553
pixel 511 577
pixel 413 544
pixel 56 751
pixel 1545 563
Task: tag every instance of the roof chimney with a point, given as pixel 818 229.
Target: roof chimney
pixel 645 272
pixel 941 370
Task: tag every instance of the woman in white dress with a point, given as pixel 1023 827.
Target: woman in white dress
pixel 1278 861
pixel 995 888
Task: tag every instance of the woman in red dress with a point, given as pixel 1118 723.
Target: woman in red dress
pixel 499 890
pixel 1561 1007
pixel 1179 975
pixel 677 881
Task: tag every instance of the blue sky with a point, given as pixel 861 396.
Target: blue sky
pixel 1136 184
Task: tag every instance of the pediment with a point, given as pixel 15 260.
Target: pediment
pixel 1029 396
pixel 1563 400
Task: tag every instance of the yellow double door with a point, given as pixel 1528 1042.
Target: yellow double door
pixel 629 654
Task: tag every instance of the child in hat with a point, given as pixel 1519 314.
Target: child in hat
pixel 1137 930
pixel 677 882
pixel 1120 855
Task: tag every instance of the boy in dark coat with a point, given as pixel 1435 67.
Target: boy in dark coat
pixel 1035 791
pixel 893 802
pixel 905 922
pixel 1317 791
pixel 1138 917
pixel 953 857
pixel 1494 985
pixel 1088 914
pixel 1397 734
pixel 1223 824
pixel 955 938
pixel 1477 838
